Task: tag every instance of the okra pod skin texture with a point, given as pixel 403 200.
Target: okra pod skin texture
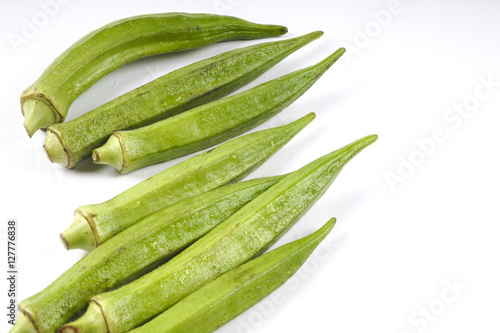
pixel 196 84
pixel 138 250
pixel 208 124
pixel 221 300
pixel 247 233
pixel 47 101
pixel 94 224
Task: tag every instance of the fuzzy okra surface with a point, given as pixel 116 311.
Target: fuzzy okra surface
pixel 48 99
pixel 193 85
pixel 244 235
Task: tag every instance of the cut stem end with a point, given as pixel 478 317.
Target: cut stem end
pixel 92 321
pixel 37 114
pixel 79 235
pixel 110 153
pixel 23 325
pixel 54 148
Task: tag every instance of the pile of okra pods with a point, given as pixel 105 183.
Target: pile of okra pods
pixel 175 253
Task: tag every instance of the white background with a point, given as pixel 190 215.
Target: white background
pixel 397 247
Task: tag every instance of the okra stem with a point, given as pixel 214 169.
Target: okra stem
pixel 80 235
pixel 54 149
pixel 106 154
pixel 23 325
pixel 93 325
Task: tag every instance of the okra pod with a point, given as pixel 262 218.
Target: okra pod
pixel 244 235
pixel 196 84
pixel 136 251
pixel 47 101
pixel 221 300
pixel 208 124
pixel 94 224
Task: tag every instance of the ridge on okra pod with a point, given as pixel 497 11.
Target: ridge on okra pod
pixel 95 224
pixel 221 300
pixel 208 124
pixel 175 92
pixel 101 51
pixel 245 234
pixel 137 250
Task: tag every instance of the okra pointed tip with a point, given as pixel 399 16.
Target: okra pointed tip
pixel 264 30
pixel 352 149
pixel 322 232
pixel 299 124
pixel 330 224
pixel 326 63
pixel 110 153
pixel 315 34
pixel 55 150
pixel 282 29
pixel 336 55
pixel 91 321
pixel 279 29
pixel 332 221
pixel 304 121
pixel 363 142
pixel 79 235
pixel 37 114
pixel 369 139
pixel 311 115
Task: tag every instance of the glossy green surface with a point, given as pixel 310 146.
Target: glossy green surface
pixel 138 250
pixel 247 233
pixel 113 45
pixel 209 124
pixel 175 92
pixel 226 163
pixel 221 300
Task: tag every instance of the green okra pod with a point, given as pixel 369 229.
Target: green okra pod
pixel 247 233
pixel 47 101
pixel 208 124
pixel 221 300
pixel 136 251
pixel 196 84
pixel 94 224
